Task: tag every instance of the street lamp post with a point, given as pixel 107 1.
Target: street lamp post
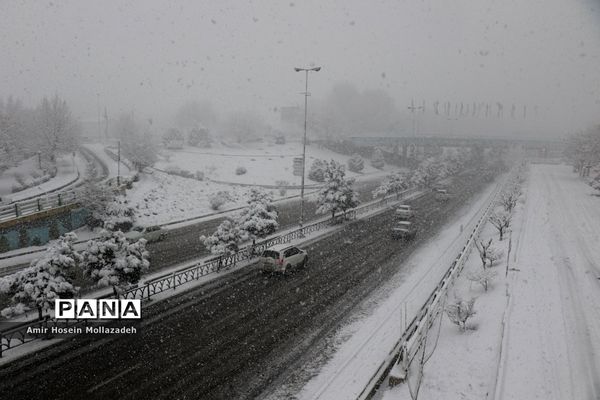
pixel 306 94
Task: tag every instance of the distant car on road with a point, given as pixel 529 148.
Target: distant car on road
pixel 404 212
pixel 441 194
pixel 404 230
pixel 152 234
pixel 282 257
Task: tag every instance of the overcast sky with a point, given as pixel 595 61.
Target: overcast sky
pixel 151 56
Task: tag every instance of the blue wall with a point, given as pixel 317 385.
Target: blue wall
pixel 40 229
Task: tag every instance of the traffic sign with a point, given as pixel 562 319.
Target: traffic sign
pixel 298 166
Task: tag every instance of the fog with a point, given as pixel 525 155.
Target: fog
pixel 150 58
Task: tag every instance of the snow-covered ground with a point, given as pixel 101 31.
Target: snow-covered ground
pixel 67 167
pixel 160 198
pixel 552 345
pixel 266 163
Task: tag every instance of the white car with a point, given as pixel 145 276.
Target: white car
pixel 282 257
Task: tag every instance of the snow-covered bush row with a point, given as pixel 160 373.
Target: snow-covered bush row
pixel 392 184
pixel 109 260
pixel 23 184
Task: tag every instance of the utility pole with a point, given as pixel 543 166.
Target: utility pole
pixel 119 163
pixel 306 94
pixel 105 125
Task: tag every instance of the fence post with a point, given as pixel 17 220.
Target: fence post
pixel 16 209
pixel 39 206
pixel 59 200
pixel 174 280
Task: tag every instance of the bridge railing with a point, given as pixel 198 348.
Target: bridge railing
pixel 38 204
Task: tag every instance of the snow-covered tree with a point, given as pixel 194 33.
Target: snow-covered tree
pixel 119 215
pixel 111 260
pixel 460 311
pixel 356 163
pixel 173 138
pixel 199 137
pixel 46 279
pixel 425 174
pixel 377 159
pixel 483 277
pixel 141 151
pixel 509 197
pixel 226 239
pixel 317 170
pixel 583 150
pixel 501 221
pixel 259 218
pixel 95 198
pixel 338 193
pixel 55 127
pixel 487 253
pixel 136 145
pixel 392 184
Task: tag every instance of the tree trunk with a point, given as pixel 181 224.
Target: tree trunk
pixel 115 292
pixel 40 316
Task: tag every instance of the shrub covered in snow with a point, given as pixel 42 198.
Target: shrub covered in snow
pixel 460 311
pixel 259 219
pixel 392 184
pixel 216 200
pixel 225 240
pixel 317 170
pixel 240 170
pixel 356 163
pixel 111 260
pixel 377 159
pixel 337 194
pixel 47 278
pixel 119 215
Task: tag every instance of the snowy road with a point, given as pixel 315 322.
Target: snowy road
pixel 553 335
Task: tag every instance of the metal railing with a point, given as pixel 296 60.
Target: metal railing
pixel 17 335
pixel 38 204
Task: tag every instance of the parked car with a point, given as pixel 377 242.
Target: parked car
pixel 152 234
pixel 280 258
pixel 404 230
pixel 404 212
